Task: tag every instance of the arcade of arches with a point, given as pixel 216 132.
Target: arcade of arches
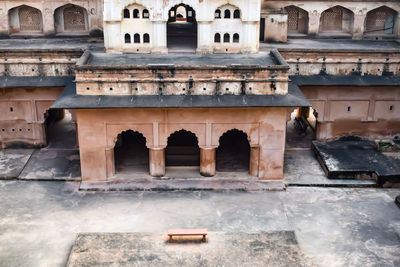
pixel 210 141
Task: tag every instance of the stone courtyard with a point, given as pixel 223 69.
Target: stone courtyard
pixel 332 226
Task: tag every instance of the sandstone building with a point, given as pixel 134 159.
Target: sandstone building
pixel 206 84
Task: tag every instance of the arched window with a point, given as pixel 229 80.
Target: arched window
pixel 136 13
pixel 227 14
pixel 127 38
pixel 380 21
pixel 337 19
pixel 127 13
pixel 297 19
pixel 136 38
pixel 226 38
pixel 217 14
pixel 30 19
pixel 145 14
pixel 146 38
pixel 74 18
pixel 236 38
pixel 217 38
pixel 236 14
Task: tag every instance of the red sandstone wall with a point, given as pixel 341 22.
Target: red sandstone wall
pixel 22 114
pixel 362 111
pixel 98 129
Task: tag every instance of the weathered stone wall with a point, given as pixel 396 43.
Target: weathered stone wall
pixel 39 62
pixel 52 21
pixel 23 112
pixel 353 24
pixel 370 111
pixel 308 62
pixel 98 130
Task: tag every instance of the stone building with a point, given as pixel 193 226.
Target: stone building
pixel 196 87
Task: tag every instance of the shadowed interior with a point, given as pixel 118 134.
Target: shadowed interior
pixel 233 153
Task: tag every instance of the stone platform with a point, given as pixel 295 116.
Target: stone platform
pixel 356 159
pixel 278 248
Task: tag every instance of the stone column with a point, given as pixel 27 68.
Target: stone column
pixel 250 36
pixel 159 41
pixel 254 160
pixel 313 22
pixel 358 26
pixel 204 37
pixel 207 162
pixel 110 162
pixel 48 22
pixel 3 20
pixel 157 161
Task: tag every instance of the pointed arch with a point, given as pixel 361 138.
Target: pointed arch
pixel 381 20
pixel 337 19
pixel 25 19
pixel 71 18
pixel 297 19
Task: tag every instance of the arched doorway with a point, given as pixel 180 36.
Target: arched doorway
pixel 182 29
pixel 182 150
pixel 131 154
pixel 297 20
pixel 233 152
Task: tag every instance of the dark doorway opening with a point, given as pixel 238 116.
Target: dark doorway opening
pixel 182 29
pixel 233 153
pixel 60 129
pixel 131 154
pixel 182 149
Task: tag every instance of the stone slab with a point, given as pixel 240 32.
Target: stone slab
pixel 303 169
pixel 12 162
pixel 206 184
pixel 53 164
pixel 356 158
pixel 221 249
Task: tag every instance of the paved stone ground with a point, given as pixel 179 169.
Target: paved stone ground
pixel 13 161
pixel 221 249
pixel 39 221
pixel 303 169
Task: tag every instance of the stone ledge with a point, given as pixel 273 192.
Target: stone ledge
pixel 207 184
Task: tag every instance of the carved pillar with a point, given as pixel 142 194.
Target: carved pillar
pixel 313 22
pixel 358 26
pixel 110 162
pixel 157 161
pixel 207 162
pixel 254 160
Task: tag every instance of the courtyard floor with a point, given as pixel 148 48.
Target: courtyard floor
pixel 334 226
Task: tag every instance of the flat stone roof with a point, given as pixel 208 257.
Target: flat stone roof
pixel 70 100
pixel 51 44
pixel 265 59
pixel 305 44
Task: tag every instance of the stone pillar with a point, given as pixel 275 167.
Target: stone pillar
pixel 254 160
pixel 157 161
pixel 207 162
pixel 48 22
pixel 110 162
pixel 313 22
pixel 358 26
pixel 204 37
pixel 3 20
pixel 112 35
pixel 159 37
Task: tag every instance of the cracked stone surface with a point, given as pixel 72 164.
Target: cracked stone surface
pixel 12 162
pixel 53 164
pixel 39 221
pixel 221 249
